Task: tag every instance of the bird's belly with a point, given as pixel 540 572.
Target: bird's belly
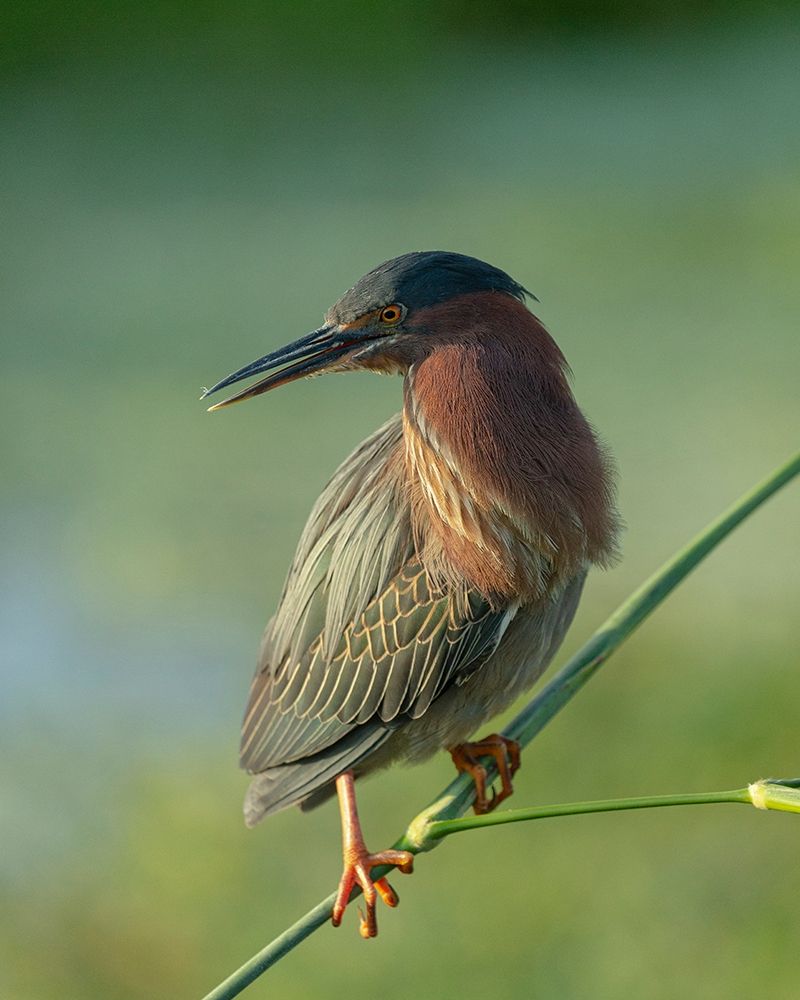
pixel 524 652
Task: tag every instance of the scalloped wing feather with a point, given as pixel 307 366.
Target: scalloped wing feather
pixel 360 640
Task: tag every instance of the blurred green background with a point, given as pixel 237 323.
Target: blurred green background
pixel 185 188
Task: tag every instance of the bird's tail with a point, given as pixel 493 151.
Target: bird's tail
pixel 309 781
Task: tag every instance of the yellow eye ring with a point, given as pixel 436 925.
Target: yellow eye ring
pixel 391 314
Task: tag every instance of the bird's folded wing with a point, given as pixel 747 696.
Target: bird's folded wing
pixel 401 652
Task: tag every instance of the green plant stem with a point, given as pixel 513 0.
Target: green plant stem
pixel 456 798
pixel 445 827
pixel 769 795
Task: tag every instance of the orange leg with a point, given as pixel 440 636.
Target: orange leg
pixel 506 756
pixel 358 863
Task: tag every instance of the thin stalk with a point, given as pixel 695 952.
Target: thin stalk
pixel 445 827
pixel 456 798
pixel 783 796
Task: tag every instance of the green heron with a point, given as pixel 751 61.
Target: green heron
pixel 443 563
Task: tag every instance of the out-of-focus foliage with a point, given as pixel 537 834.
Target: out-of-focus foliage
pixel 185 188
pixel 45 33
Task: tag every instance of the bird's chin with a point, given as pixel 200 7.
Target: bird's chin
pixel 384 355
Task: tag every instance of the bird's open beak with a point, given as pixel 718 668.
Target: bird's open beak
pixel 310 355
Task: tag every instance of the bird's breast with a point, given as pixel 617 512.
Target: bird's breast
pixel 443 486
pixel 463 531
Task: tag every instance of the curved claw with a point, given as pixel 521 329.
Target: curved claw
pixel 506 754
pixel 357 870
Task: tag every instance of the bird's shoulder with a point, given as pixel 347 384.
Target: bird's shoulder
pixel 356 539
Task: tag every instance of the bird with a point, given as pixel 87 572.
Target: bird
pixel 443 563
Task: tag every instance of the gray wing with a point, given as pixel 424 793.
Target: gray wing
pixel 360 642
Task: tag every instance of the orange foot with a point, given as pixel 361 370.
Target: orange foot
pixel 358 864
pixel 506 756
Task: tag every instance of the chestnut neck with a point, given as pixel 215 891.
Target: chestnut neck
pixel 514 491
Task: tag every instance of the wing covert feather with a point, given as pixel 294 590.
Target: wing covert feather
pixel 360 639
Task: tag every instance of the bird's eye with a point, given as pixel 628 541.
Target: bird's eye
pixel 391 314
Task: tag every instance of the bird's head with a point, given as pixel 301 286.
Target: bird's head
pixel 388 319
